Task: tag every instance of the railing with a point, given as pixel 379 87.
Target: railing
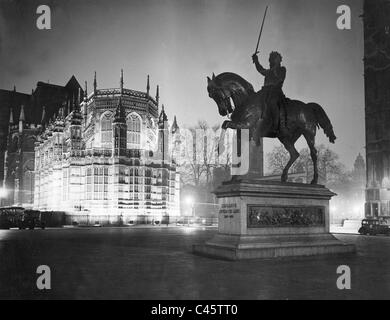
pixel 98 152
pixel 128 92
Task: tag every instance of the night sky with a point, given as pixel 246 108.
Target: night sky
pixel 180 42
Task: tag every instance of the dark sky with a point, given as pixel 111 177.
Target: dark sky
pixel 180 42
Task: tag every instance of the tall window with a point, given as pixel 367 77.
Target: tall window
pixel 133 132
pixel 106 128
pixel 100 183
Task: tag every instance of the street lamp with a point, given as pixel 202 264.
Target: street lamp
pixel 3 194
pixel 190 202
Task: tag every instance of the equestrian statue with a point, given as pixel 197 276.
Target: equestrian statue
pixel 268 113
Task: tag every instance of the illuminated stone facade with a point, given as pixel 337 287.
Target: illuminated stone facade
pixel 377 106
pixel 21 122
pixel 106 157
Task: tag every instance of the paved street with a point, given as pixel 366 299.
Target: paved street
pixel 157 263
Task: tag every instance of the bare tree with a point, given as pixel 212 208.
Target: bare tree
pixel 192 170
pixel 202 155
pixel 277 159
pixel 329 166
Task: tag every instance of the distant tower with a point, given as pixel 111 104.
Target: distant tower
pixel 359 166
pixel 176 141
pixel 377 106
pixel 119 130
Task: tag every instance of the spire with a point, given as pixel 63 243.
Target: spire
pixel 85 91
pixel 163 117
pixel 121 81
pixel 148 87
pixel 175 126
pixel 14 88
pixel 22 116
pixel 158 94
pixel 22 119
pixel 120 112
pixel 94 83
pixel 43 115
pixel 359 162
pixel 11 116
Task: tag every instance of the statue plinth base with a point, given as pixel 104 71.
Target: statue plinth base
pixel 267 219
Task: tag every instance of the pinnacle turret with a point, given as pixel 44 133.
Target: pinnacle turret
pixel 158 94
pixel 94 83
pixel 120 116
pixel 148 86
pixel 121 81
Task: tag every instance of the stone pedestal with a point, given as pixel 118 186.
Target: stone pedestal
pixel 268 219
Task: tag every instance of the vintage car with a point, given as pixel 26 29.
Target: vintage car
pixel 374 227
pixel 10 217
pixel 31 219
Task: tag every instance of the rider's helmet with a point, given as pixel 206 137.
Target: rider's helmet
pixel 275 55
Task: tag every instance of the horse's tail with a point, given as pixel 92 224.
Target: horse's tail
pixel 323 121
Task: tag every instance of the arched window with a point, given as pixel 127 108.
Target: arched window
pixel 133 132
pixel 106 128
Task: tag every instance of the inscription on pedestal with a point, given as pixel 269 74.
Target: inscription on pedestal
pixel 275 216
pixel 228 210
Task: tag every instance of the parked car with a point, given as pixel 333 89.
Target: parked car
pixel 31 219
pixel 10 217
pixel 374 227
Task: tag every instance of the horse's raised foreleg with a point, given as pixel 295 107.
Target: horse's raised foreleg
pixel 233 125
pixel 221 144
pixel 310 138
pixel 226 124
pixel 294 155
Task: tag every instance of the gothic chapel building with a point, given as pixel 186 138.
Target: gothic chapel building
pixel 105 157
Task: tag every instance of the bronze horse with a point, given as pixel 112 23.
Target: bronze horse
pixel 236 98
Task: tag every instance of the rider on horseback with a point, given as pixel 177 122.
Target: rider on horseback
pixel 272 93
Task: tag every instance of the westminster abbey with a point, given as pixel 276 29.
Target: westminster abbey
pixel 107 156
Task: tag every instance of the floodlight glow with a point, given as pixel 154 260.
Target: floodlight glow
pixel 3 192
pixel 189 200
